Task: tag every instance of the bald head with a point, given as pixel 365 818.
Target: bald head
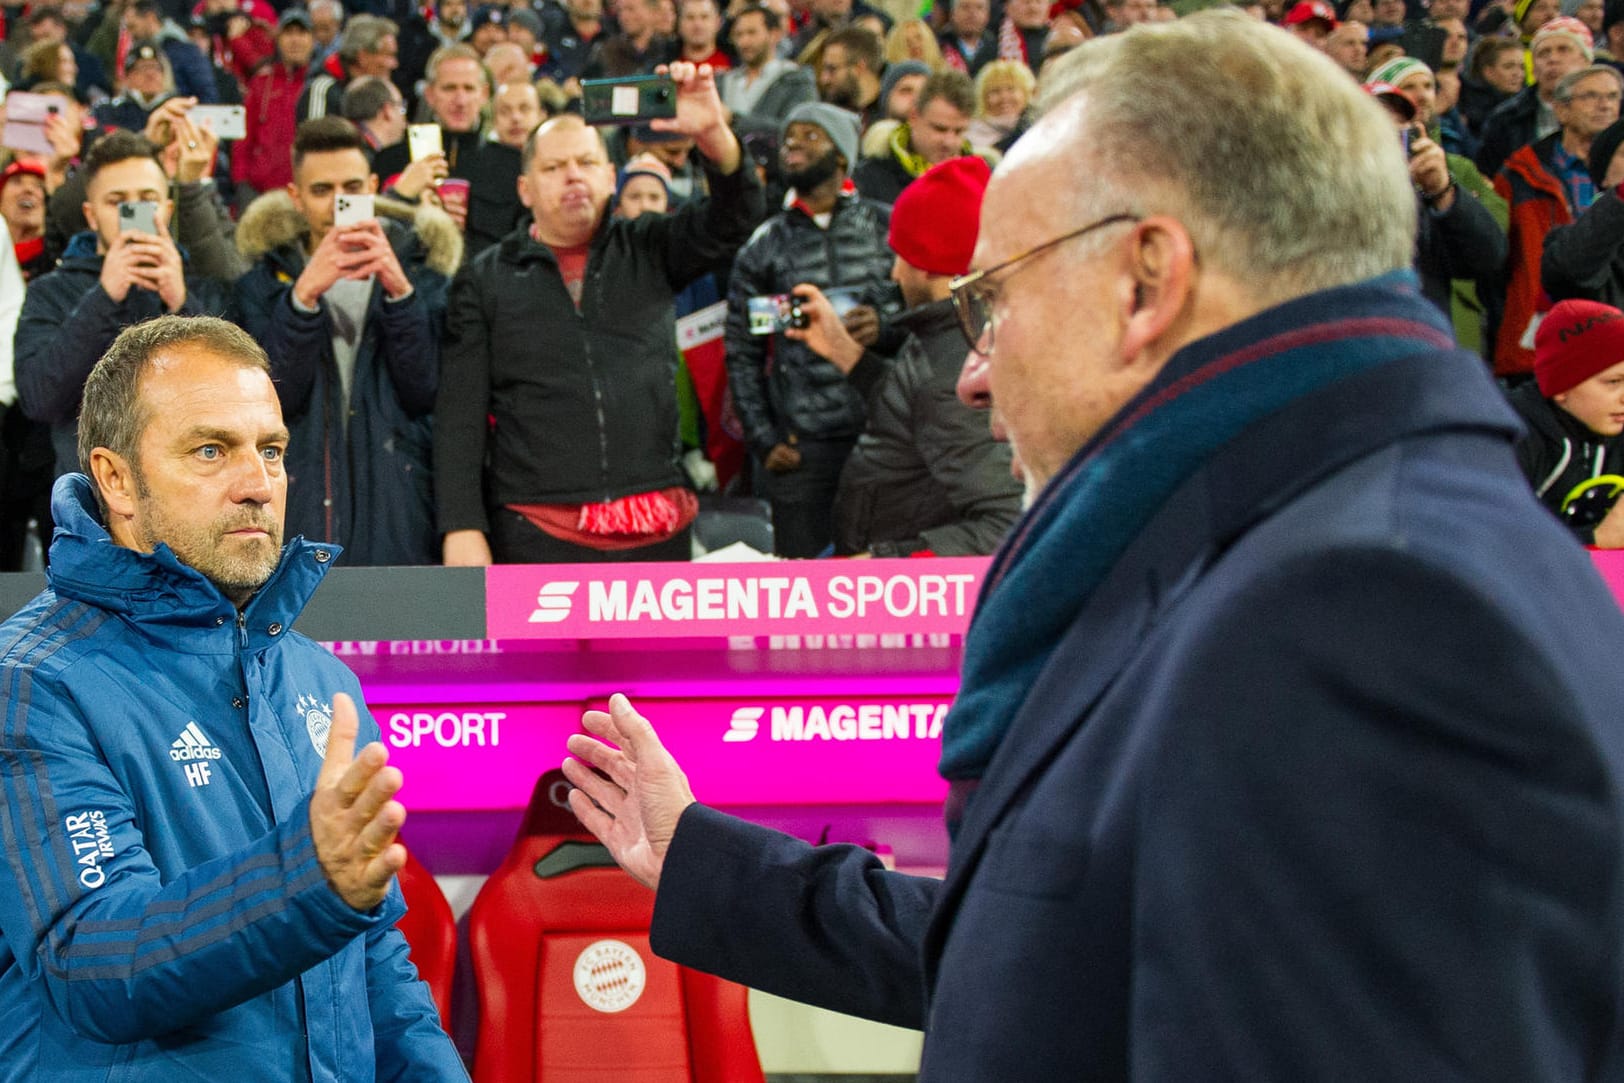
pixel 567 122
pixel 566 180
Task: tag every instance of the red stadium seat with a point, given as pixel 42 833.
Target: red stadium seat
pixel 431 930
pixel 568 989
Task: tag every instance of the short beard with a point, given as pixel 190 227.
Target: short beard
pixel 202 547
pixel 844 95
pixel 815 172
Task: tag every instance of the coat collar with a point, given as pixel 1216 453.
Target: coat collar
pixel 1244 483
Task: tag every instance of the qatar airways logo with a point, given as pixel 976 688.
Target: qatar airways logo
pixel 842 722
pixel 771 597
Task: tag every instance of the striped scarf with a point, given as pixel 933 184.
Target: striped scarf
pixel 1011 45
pixel 1088 515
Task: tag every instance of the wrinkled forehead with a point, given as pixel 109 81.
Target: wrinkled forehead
pixel 568 139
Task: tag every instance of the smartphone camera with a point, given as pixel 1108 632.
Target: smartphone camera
pixel 774 313
pixel 138 217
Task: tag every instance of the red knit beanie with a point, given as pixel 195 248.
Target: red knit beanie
pixel 1575 341
pixel 935 219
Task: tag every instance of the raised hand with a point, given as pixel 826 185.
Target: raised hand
pixel 353 818
pixel 700 114
pixel 634 811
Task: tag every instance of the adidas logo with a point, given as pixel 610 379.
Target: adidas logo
pixel 192 745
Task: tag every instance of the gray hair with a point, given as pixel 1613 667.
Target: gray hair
pixel 112 415
pixel 1286 174
pixel 363 34
pixel 366 97
pixel 1563 92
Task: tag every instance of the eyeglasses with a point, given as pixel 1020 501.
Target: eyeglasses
pixel 1590 97
pixel 974 294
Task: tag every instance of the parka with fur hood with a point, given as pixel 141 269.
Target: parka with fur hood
pixel 358 470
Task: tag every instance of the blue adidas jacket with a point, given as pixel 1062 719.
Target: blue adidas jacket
pixel 164 914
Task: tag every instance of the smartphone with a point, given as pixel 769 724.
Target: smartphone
pixel 348 209
pixel 632 100
pixel 138 217
pixel 25 121
pixel 225 121
pixel 423 140
pixel 774 313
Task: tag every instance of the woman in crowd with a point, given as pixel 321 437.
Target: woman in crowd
pixel 1004 91
pixel 911 39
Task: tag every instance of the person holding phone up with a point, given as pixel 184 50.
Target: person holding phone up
pixel 122 270
pixel 564 332
pixel 349 307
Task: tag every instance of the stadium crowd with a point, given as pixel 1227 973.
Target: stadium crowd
pixel 547 341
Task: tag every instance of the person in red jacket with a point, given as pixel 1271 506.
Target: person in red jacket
pixel 1547 184
pixel 262 161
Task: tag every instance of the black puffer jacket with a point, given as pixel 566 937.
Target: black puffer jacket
pixel 926 473
pixel 781 388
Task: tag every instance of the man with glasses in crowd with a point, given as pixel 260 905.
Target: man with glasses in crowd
pixel 1287 745
pixel 849 72
pixel 1547 184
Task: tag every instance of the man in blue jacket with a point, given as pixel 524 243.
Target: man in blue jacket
pixel 199 867
pixel 1288 741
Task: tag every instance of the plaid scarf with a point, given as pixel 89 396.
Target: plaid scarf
pixel 1088 515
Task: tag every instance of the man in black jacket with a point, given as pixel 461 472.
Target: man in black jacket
pixel 1585 259
pixel 933 133
pixel 926 474
pixel 563 335
pixel 800 415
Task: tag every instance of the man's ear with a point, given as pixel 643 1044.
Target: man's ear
pixel 114 477
pixel 1161 270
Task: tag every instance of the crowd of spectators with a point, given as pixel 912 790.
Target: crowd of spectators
pixel 544 339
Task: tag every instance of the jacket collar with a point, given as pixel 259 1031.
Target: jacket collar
pixel 929 318
pixel 847 196
pixel 159 594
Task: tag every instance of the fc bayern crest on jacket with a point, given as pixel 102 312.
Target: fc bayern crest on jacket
pixel 318 718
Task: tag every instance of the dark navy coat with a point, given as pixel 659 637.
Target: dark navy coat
pixel 1325 782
